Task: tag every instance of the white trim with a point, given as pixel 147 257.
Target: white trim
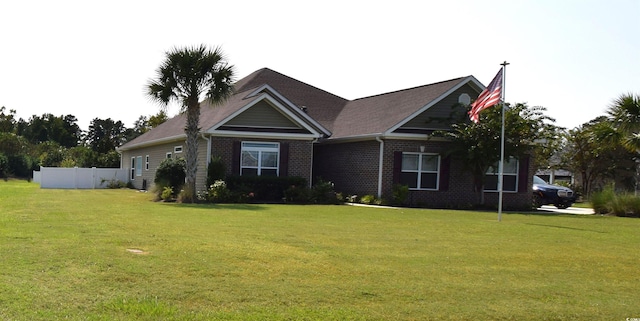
pixel 419 171
pixel 152 142
pixel 516 174
pixel 256 135
pixel 259 168
pixel 380 165
pixel 168 155
pixel 266 97
pixel 435 101
pixel 146 162
pixel 177 149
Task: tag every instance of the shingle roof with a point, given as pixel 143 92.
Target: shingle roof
pixel 379 113
pixel 321 105
pixel 343 118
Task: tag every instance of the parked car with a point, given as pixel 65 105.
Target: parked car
pixel 545 193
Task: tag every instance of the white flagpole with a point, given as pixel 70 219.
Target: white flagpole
pixel 501 164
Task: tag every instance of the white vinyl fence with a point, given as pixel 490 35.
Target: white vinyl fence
pixel 57 177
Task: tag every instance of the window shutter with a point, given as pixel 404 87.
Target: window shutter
pixel 445 169
pixel 284 159
pixel 235 158
pixel 397 167
pixel 523 174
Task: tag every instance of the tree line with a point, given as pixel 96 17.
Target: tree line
pixel 57 141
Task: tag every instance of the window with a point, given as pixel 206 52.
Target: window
pixel 509 178
pixel 420 171
pixel 169 155
pixel 133 168
pixel 177 149
pixel 146 163
pixel 139 166
pixel 259 159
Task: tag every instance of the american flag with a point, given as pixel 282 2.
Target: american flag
pixel 488 97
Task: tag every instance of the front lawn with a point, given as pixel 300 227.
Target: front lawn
pixel 115 255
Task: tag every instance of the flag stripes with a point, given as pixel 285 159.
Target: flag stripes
pixel 488 97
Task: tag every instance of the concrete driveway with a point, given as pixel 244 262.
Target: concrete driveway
pixel 570 210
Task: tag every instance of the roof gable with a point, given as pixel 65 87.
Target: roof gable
pixel 382 114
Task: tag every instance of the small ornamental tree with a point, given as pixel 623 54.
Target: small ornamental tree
pixel 170 173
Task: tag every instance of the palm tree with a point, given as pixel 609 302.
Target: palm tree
pixel 187 76
pixel 625 114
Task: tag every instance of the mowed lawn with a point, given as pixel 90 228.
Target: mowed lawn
pixel 64 254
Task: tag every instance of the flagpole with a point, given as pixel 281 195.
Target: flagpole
pixel 501 164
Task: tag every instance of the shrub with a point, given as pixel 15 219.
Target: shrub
pixel 170 173
pixel 297 194
pixel 113 183
pixel 400 193
pixel 323 193
pixel 608 202
pixel 219 193
pixel 262 188
pixel 21 165
pixel 4 166
pixel 167 193
pixel 368 199
pixel 215 171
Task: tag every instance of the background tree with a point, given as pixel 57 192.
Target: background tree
pixel 8 121
pixel 104 135
pixel 187 76
pixel 528 131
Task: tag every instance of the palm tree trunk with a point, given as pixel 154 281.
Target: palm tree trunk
pixel 192 131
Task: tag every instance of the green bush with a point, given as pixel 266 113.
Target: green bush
pixel 608 202
pixel 4 166
pixel 400 194
pixel 167 193
pixel 215 171
pixel 170 173
pixel 263 188
pixel 297 194
pixel 21 165
pixel 368 199
pixel 323 193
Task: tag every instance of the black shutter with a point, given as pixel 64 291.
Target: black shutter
pixel 445 170
pixel 284 159
pixel 523 174
pixel 397 167
pixel 235 158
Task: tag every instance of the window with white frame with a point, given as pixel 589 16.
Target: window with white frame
pixel 509 177
pixel 420 171
pixel 177 149
pixel 146 163
pixel 139 166
pixel 169 155
pixel 259 159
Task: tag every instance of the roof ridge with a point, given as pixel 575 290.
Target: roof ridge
pixel 411 88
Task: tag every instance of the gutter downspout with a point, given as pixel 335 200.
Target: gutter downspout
pixel 208 139
pixel 314 141
pixel 380 163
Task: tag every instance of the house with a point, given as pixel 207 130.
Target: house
pixel 277 125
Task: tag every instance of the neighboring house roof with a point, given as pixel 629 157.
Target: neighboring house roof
pixel 314 110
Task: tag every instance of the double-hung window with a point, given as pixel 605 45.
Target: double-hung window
pixel 420 171
pixel 139 166
pixel 509 177
pixel 259 159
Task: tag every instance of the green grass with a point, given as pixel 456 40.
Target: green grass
pixel 63 255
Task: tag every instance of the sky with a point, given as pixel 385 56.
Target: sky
pixel 94 59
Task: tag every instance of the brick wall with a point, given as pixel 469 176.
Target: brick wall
pixel 299 154
pixel 353 168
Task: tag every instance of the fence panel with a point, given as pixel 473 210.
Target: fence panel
pixel 81 178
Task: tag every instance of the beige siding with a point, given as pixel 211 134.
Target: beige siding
pixel 432 117
pixel 262 114
pixel 157 154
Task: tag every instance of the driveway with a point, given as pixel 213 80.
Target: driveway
pixel 570 210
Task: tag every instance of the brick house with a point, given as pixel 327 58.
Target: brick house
pixel 277 125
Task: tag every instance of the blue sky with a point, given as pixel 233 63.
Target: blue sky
pixel 93 59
